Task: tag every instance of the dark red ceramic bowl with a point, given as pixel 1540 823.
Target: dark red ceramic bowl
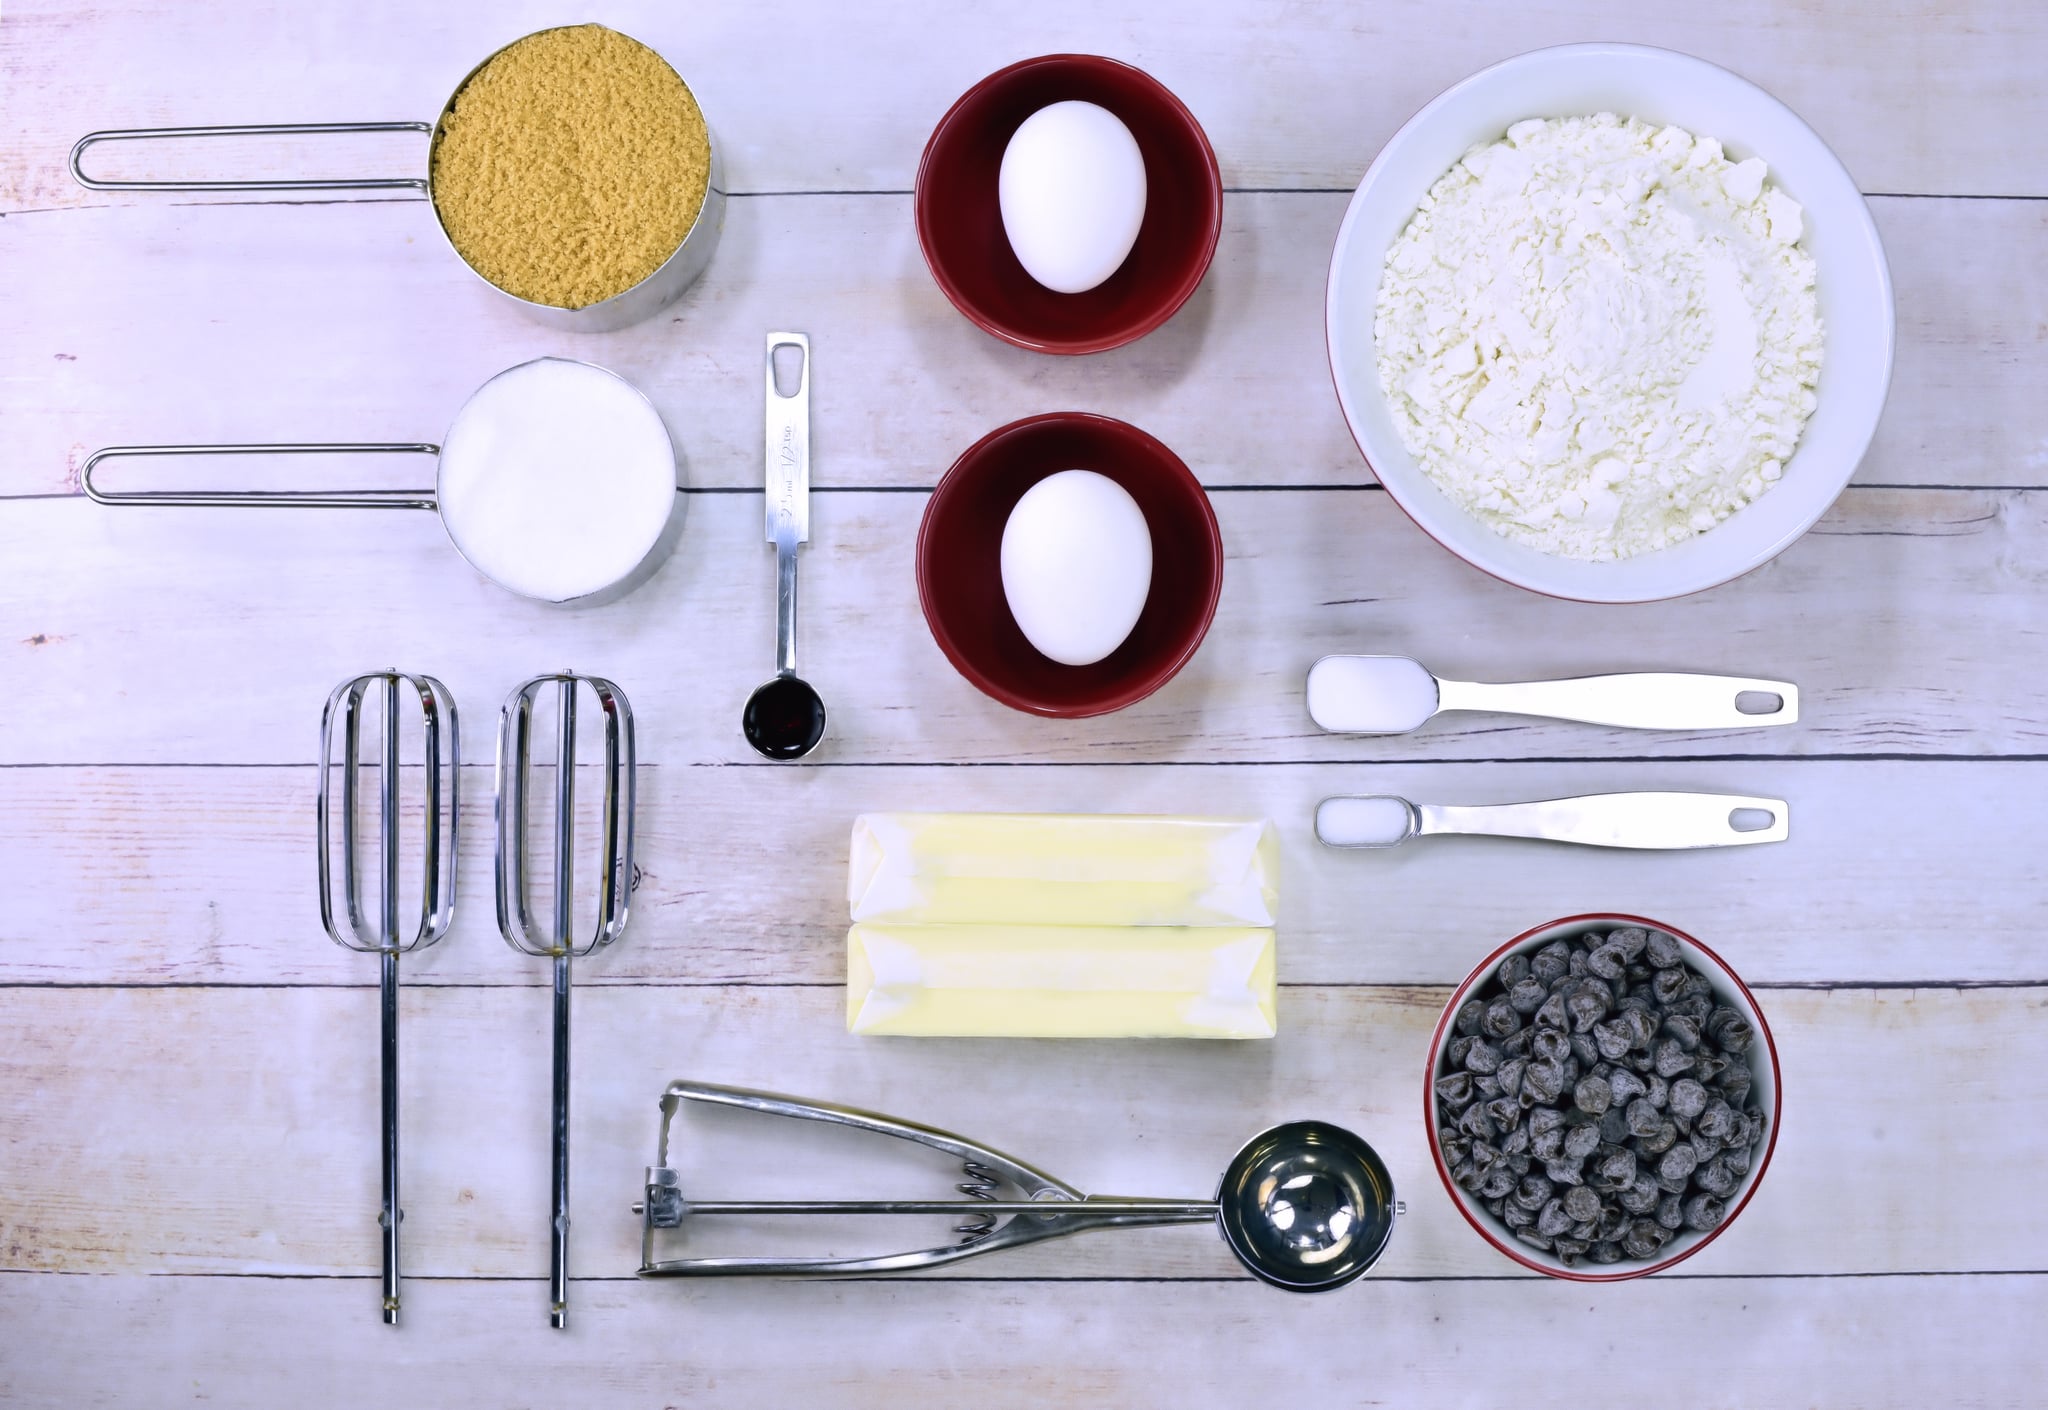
pixel 960 219
pixel 960 572
pixel 1767 1093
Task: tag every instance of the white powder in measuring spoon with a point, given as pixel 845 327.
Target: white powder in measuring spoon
pixel 1375 820
pixel 1600 337
pixel 557 479
pixel 1371 694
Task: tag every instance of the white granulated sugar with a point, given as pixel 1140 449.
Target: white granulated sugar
pixel 1600 337
pixel 557 479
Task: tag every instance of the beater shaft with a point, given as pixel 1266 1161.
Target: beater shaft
pixel 558 1264
pixel 565 935
pixel 389 1220
pixel 387 986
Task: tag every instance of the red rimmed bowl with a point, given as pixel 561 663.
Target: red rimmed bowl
pixel 960 575
pixel 1764 1096
pixel 960 220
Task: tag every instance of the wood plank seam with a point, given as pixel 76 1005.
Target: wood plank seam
pixel 826 192
pixel 1677 1275
pixel 598 981
pixel 1422 761
pixel 1334 487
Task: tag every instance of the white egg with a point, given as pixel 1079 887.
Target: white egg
pixel 1073 195
pixel 1077 565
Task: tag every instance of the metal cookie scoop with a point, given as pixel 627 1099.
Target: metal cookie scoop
pixel 1306 1206
pixel 785 719
pixel 1644 821
pixel 1393 695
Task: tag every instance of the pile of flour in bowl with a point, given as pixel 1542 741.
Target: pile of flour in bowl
pixel 1600 337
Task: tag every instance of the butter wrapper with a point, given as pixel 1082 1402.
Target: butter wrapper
pixel 1063 869
pixel 1060 981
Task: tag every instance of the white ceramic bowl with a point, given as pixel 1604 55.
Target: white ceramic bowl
pixel 1657 86
pixel 1764 1095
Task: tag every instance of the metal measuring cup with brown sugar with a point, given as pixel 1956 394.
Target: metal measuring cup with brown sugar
pixel 657 238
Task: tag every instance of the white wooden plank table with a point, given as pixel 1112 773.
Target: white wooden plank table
pixel 187 1077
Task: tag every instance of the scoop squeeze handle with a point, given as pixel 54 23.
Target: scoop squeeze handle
pixel 1639 700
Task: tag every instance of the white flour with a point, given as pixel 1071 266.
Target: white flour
pixel 1598 336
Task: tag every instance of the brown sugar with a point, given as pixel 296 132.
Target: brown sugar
pixel 570 166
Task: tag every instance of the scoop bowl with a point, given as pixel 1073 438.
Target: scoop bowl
pixel 1307 1206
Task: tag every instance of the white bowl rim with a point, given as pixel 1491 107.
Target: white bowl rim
pixel 1864 232
pixel 1532 1258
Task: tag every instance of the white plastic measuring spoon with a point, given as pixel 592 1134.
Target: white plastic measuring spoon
pixel 1392 695
pixel 1647 821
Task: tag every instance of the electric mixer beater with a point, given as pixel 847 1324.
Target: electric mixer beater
pixel 556 938
pixel 376 928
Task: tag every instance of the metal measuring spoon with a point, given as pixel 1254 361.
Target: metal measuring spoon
pixel 1305 1206
pixel 1393 694
pixel 1644 821
pixel 785 719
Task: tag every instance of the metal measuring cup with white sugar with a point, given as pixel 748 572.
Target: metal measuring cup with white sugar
pixel 557 481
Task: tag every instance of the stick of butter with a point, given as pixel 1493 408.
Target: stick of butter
pixel 1063 869
pixel 1060 981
